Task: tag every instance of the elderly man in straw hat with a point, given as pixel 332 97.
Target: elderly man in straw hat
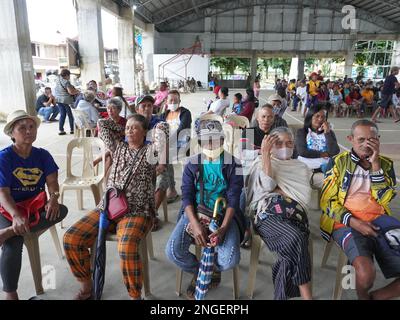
pixel 25 207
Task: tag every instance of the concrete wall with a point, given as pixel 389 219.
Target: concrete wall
pixel 197 67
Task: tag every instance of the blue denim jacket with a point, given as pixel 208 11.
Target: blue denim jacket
pixel 231 170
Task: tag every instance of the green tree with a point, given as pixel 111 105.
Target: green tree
pixel 282 64
pixel 327 67
pixel 228 65
pixel 373 53
pixel 264 65
pixel 310 63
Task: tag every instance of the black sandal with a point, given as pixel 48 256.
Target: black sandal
pixel 156 225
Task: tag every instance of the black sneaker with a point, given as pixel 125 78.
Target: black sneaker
pixel 71 132
pixel 62 133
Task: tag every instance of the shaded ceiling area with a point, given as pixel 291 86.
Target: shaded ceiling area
pixel 171 15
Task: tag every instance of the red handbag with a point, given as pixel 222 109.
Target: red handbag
pixel 115 203
pixel 30 208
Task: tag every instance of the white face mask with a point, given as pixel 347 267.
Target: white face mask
pixel 282 153
pixel 213 154
pixel 173 106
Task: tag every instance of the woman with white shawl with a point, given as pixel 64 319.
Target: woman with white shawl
pixel 278 195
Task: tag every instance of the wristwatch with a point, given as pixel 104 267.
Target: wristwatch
pixel 55 194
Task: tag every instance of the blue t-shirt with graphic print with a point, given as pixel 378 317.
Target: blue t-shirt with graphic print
pixel 215 184
pixel 25 177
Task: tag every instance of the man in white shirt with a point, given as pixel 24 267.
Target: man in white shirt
pixel 219 106
pixel 301 95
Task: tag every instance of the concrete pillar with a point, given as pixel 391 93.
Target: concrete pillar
pixel 396 54
pixel 253 67
pixel 348 66
pixel 207 35
pixel 300 68
pixel 126 50
pixel 17 84
pixel 305 23
pixel 148 53
pixel 91 47
pixel 257 37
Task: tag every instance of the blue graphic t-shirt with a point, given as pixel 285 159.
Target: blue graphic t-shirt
pixel 25 177
pixel 214 182
pixel 316 141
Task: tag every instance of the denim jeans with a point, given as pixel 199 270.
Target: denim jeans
pixel 64 110
pixel 296 101
pixel 49 112
pixel 177 249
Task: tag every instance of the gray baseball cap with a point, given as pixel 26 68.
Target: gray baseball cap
pixel 209 129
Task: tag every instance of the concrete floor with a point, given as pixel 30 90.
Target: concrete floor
pixel 162 272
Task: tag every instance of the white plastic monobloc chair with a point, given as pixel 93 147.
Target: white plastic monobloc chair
pixel 82 126
pixel 89 179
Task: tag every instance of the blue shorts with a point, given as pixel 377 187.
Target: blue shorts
pixel 354 244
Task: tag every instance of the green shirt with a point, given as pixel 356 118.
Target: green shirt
pixel 214 182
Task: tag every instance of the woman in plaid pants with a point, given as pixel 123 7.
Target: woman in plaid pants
pixel 134 171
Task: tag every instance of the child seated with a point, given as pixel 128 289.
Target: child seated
pixel 237 103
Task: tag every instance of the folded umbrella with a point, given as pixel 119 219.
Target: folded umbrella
pixel 100 259
pixel 208 256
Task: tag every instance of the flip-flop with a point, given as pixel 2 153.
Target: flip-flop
pixel 156 226
pixel 215 279
pixel 173 199
pixel 246 243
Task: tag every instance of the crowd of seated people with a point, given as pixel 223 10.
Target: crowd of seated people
pixel 266 190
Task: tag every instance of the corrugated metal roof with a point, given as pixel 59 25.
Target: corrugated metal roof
pixel 171 14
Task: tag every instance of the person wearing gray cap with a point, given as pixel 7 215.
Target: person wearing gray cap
pixel 208 176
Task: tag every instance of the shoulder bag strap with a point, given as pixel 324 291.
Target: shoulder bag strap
pixel 134 165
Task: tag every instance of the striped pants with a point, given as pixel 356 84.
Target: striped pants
pixel 130 231
pixel 290 242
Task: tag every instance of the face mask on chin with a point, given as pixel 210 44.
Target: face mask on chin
pixel 213 154
pixel 282 153
pixel 173 106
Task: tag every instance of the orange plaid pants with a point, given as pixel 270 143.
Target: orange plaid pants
pixel 80 237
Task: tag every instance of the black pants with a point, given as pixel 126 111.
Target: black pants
pixel 11 253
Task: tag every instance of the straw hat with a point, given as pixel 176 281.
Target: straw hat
pixel 16 116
